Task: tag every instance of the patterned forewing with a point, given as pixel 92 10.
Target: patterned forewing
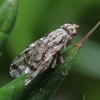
pixel 22 64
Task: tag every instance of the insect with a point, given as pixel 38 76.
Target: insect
pixel 43 53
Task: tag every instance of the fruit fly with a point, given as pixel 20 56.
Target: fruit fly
pixel 43 53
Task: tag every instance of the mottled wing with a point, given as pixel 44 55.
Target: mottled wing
pixel 31 76
pixel 22 63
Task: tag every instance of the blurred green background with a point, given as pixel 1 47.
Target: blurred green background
pixel 39 17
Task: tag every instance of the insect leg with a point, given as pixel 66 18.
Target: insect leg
pixel 62 61
pixel 62 72
pixel 53 65
pixel 66 73
pixel 60 58
pixel 69 42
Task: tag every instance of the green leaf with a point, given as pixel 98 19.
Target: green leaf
pixel 8 13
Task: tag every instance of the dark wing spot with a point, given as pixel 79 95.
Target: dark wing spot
pixel 18 56
pixel 25 62
pixel 33 68
pixel 14 66
pixel 26 51
pixel 50 36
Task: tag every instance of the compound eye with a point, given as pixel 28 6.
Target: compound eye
pixel 73 31
pixel 74 34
